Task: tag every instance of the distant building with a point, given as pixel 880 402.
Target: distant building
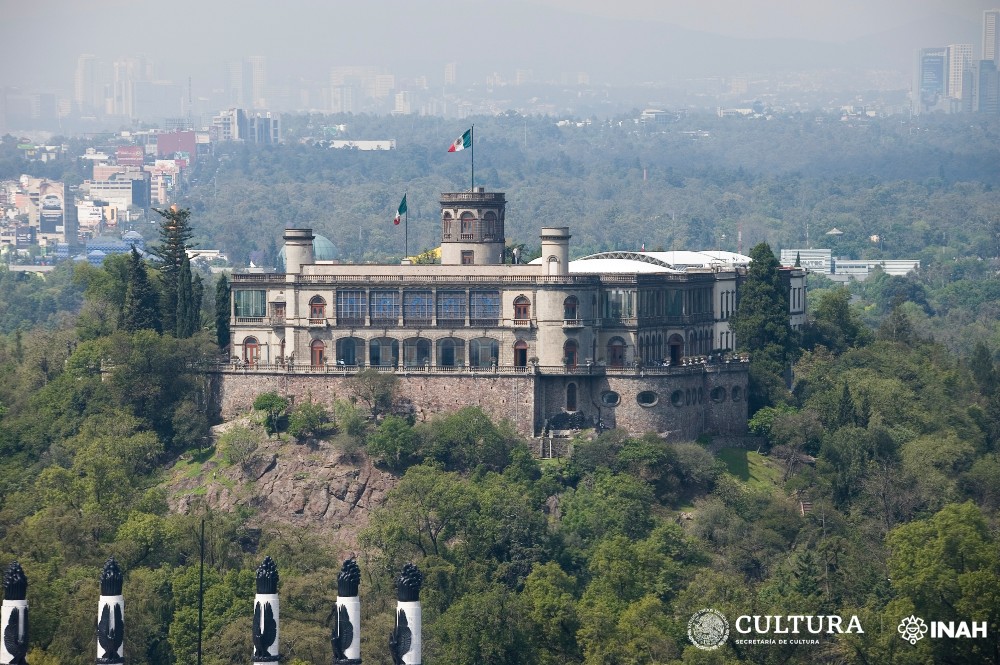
pixel 635 340
pixel 991 36
pixel 822 262
pixel 959 60
pixel 236 124
pixel 932 78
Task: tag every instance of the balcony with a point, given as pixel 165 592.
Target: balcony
pixel 277 321
pixel 572 323
pixel 522 323
pixel 317 323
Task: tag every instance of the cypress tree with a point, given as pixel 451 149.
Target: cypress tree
pixel 197 296
pixel 761 327
pixel 222 311
pixel 846 413
pixel 175 231
pixel 184 327
pixel 140 310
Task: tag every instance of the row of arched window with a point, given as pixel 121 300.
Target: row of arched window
pixel 412 352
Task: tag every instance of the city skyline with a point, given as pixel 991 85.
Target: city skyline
pixel 666 40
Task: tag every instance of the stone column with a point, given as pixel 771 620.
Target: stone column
pixel 405 643
pixel 346 637
pixel 111 616
pixel 14 617
pixel 265 614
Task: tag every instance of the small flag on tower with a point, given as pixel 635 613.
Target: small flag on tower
pixel 462 142
pixel 400 211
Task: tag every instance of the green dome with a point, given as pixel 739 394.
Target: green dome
pixel 323 250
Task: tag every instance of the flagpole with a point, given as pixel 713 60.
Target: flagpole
pixel 472 146
pixel 406 230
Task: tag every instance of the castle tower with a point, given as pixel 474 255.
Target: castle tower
pixel 555 250
pixel 298 249
pixel 472 227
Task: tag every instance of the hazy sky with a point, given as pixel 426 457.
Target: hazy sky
pixel 40 39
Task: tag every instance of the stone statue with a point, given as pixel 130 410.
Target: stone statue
pixel 14 616
pixel 265 614
pixel 405 641
pixel 111 616
pixel 346 637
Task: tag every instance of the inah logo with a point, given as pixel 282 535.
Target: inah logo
pixel 708 629
pixel 912 629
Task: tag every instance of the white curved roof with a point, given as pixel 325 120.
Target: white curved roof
pixel 654 262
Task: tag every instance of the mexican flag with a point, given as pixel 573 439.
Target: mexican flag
pixel 462 142
pixel 400 211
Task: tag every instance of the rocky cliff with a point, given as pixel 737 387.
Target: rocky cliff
pixel 319 486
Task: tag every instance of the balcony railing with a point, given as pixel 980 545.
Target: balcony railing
pixel 693 365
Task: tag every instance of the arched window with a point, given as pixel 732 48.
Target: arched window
pixel 317 353
pixel 383 351
pixel 489 225
pixel 484 352
pixel 571 397
pixel 468 225
pixel 251 350
pixel 571 308
pixel 447 224
pixel 616 352
pixel 317 308
pixel 350 350
pixel 416 352
pixel 450 352
pixel 570 353
pixel 522 308
pixel 520 353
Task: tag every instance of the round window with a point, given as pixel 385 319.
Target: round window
pixel 646 398
pixel 718 394
pixel 610 398
pixel 677 398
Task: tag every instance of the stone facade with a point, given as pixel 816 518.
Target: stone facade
pixel 680 403
pixel 624 339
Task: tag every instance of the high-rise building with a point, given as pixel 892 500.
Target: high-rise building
pixel 449 73
pixel 991 36
pixel 932 78
pixel 87 85
pixel 258 81
pixel 986 83
pixel 959 60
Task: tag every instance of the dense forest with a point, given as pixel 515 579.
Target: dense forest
pixel 873 489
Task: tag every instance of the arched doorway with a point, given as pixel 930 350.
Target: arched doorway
pixel 616 352
pixel 416 352
pixel 317 353
pixel 450 352
pixel 384 352
pixel 251 350
pixel 571 397
pixel 570 353
pixel 676 344
pixel 520 353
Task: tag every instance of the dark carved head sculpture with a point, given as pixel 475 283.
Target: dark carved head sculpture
pixel 267 576
pixel 349 579
pixel 408 584
pixel 111 578
pixel 15 583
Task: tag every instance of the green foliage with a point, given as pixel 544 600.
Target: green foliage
pixel 761 326
pixel 239 445
pixel 467 439
pixel 140 309
pixel 175 271
pixel 273 406
pixel 222 307
pixel 309 419
pixel 374 389
pixel 394 443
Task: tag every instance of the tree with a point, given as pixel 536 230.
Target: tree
pixel 175 231
pixel 376 390
pixel 139 310
pixel 761 327
pixel 222 295
pixel 308 419
pixel 272 405
pixel 394 443
pixel 185 315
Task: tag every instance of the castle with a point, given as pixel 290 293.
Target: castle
pixel 634 340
